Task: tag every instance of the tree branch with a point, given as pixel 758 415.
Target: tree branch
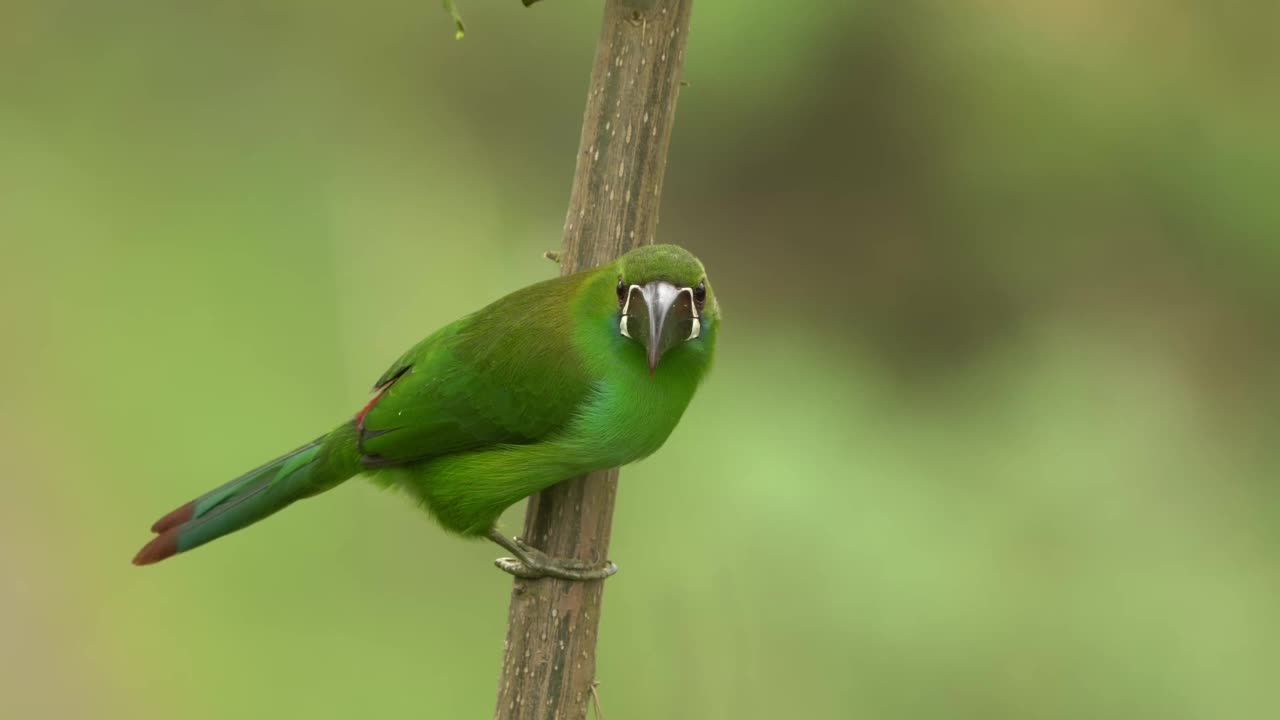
pixel 549 663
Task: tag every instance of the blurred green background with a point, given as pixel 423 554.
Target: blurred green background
pixel 990 433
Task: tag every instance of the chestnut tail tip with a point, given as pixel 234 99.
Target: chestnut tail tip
pixel 161 547
pixel 175 518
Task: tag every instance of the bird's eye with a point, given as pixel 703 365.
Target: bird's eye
pixel 700 293
pixel 622 292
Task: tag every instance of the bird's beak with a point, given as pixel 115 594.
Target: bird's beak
pixel 660 316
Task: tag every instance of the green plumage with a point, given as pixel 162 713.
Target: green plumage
pixel 552 381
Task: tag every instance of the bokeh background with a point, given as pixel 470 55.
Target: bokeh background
pixel 991 433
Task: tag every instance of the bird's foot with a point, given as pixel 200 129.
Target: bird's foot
pixel 531 563
pixel 540 566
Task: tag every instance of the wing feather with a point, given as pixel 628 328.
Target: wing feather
pixel 508 374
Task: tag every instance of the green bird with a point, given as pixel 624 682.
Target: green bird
pixel 579 373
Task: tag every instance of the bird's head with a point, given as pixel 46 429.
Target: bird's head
pixel 664 299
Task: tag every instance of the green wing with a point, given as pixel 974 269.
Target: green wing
pixel 507 374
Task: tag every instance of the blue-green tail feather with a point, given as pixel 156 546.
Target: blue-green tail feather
pixel 238 503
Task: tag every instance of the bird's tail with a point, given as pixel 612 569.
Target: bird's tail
pixel 242 502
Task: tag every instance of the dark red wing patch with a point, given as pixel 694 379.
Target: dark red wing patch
pixel 369 406
pixel 378 396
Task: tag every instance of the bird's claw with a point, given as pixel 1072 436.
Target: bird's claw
pixel 531 563
pixel 564 570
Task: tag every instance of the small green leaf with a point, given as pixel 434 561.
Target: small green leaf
pixel 457 18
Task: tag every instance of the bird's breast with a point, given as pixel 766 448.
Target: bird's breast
pixel 628 418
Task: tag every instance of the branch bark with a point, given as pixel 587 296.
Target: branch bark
pixel 548 669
